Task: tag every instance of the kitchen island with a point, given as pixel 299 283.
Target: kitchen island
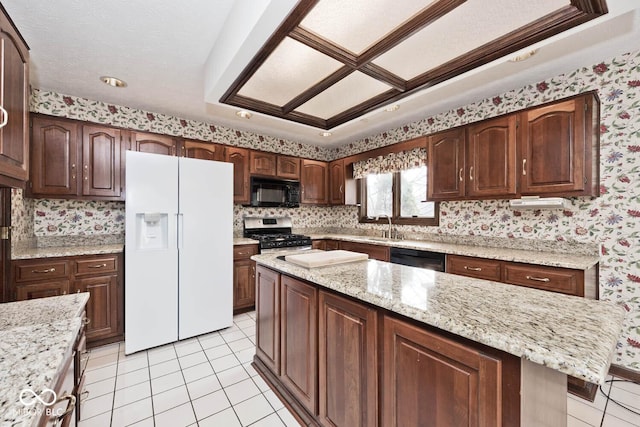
pixel 374 343
pixel 38 341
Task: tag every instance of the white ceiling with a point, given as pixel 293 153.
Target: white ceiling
pixel 179 58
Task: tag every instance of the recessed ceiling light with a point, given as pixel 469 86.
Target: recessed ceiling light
pixel 243 114
pixel 523 56
pixel 390 108
pixel 326 134
pixel 113 81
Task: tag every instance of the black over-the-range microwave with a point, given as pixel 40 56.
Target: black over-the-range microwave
pixel 275 193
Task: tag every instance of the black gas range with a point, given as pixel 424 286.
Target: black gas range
pixel 274 234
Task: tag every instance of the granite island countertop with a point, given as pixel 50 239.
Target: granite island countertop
pixel 573 335
pixel 36 337
pixel 533 256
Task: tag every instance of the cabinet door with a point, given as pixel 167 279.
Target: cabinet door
pixel 244 283
pixel 268 315
pixel 491 158
pixel 347 362
pixel 429 380
pixel 53 288
pixel 298 340
pixel 240 159
pixel 102 308
pixel 262 163
pixel 54 152
pixel 315 182
pixel 336 182
pixel 288 167
pixel 488 269
pixel 553 147
pixel 101 169
pixel 203 150
pixel 154 143
pixel 14 93
pixel 445 165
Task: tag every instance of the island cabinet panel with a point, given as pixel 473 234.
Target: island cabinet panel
pixel 298 341
pixel 347 362
pixel 491 158
pixel 268 311
pixel 479 268
pixel 314 181
pixel 446 171
pixel 429 380
pixel 556 146
pixel 240 159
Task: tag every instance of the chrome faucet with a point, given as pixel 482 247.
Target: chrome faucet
pixel 390 232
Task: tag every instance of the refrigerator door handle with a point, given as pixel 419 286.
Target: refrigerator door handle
pixel 180 218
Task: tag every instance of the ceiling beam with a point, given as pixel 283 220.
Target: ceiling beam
pixel 317 89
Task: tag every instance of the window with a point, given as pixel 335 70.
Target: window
pixel 400 195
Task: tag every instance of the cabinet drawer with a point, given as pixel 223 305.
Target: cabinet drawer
pixel 29 271
pixel 554 279
pixel 49 288
pixel 381 253
pixel 244 251
pixel 479 268
pixel 107 264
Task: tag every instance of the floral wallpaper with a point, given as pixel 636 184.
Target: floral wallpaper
pixel 73 107
pixel 54 217
pixel 611 221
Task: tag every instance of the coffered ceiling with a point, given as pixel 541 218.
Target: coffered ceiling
pixel 333 60
pixel 327 64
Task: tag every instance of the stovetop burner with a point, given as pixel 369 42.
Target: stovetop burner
pixel 274 234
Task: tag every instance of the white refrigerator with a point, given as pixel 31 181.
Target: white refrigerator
pixel 178 249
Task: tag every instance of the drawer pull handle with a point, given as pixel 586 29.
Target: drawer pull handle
pixel 47 270
pixel 539 279
pixel 97 266
pixel 460 177
pixel 466 267
pixel 70 407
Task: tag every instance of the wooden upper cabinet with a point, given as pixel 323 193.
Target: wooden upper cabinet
pixel 261 163
pixel 54 156
pixel 101 161
pixel 446 165
pixel 314 180
pixel 154 143
pixel 240 159
pixel 336 182
pixel 14 99
pixel 491 158
pixel 288 167
pixel 556 148
pixel 203 150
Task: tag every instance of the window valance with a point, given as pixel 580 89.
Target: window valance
pixel 392 162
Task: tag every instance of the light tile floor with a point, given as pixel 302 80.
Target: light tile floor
pixel 209 381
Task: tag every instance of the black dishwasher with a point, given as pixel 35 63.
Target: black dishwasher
pixel 416 258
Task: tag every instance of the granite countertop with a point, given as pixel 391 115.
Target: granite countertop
pixel 36 337
pixel 244 241
pixel 60 251
pixel 533 256
pixel 569 334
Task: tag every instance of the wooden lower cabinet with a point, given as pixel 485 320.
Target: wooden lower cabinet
pixel 429 380
pixel 268 310
pixel 100 275
pixel 244 278
pixel 298 342
pixel 381 253
pixel 347 362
